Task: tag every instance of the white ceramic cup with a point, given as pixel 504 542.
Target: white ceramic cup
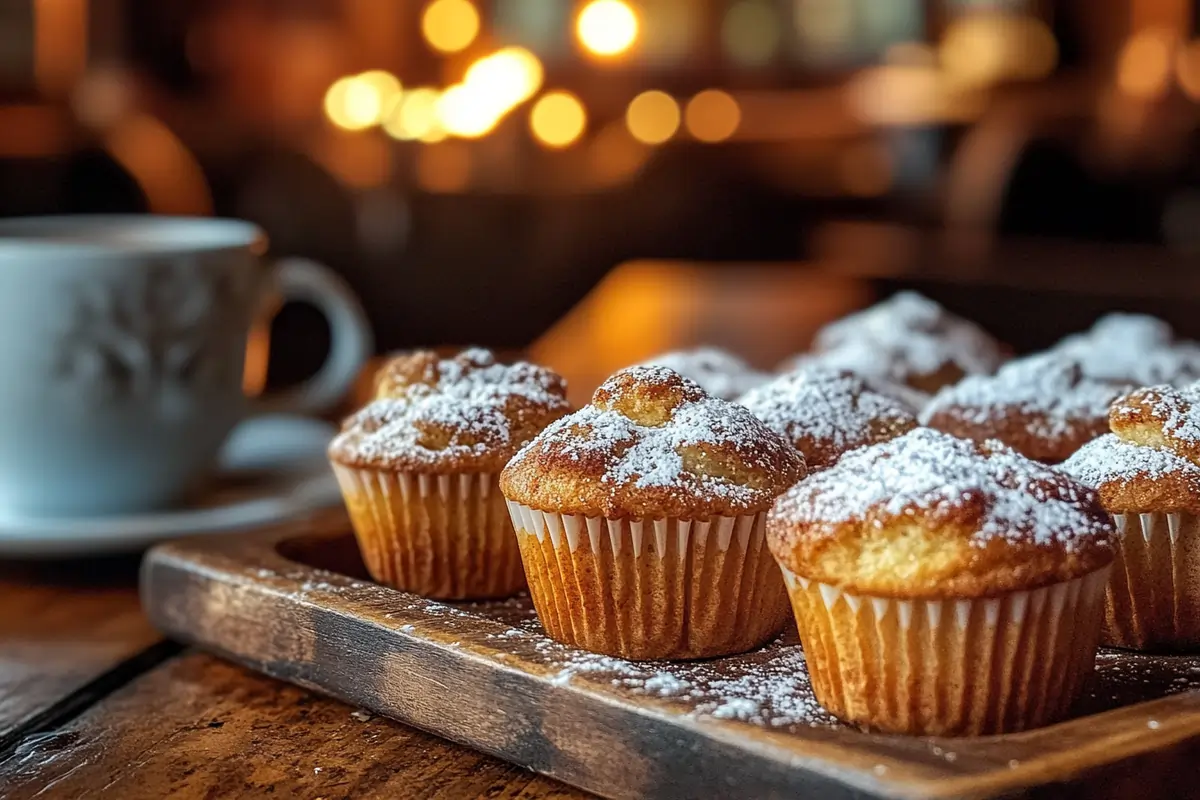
pixel 122 349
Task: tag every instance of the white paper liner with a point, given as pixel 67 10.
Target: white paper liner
pixel 1153 598
pixel 650 589
pixel 950 667
pixel 441 536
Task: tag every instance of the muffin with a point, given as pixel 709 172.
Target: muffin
pixel 640 521
pixel 910 339
pixel 1153 494
pixel 944 587
pixel 867 362
pixel 418 469
pixel 1133 349
pixel 720 373
pixel 825 413
pixel 1044 407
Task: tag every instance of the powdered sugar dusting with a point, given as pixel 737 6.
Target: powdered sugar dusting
pixel 835 409
pixel 1050 390
pixel 930 472
pixel 464 408
pixel 662 456
pixel 909 333
pixel 1133 348
pixel 1110 459
pixel 1177 410
pixel 720 373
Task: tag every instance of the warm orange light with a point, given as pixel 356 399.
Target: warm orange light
pixel 444 168
pixel 359 101
pixel 607 27
pixel 450 25
pixel 866 170
pixel 652 117
pixel 557 119
pixel 988 48
pixel 713 115
pixel 415 116
pixel 384 84
pixel 465 111
pixel 506 78
pixel 1144 66
pixel 1187 69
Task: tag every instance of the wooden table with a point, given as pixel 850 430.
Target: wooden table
pixel 94 703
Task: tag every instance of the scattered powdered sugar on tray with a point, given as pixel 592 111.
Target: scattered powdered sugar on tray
pixel 720 373
pixel 929 471
pixel 1050 391
pixel 1111 459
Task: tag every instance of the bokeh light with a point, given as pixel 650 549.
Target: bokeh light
pixel 652 117
pixel 984 49
pixel 557 119
pixel 383 83
pixel 751 32
pixel 1144 65
pixel 712 115
pixel 415 116
pixel 506 78
pixel 450 25
pixel 607 27
pixel 464 111
pixel 352 104
pixel 1187 69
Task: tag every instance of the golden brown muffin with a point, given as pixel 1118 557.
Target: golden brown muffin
pixel 641 521
pixel 1133 349
pixel 911 340
pixel 718 372
pixel 825 413
pixel 653 444
pixel 418 469
pixel 1043 406
pixel 1160 416
pixel 463 414
pixel 1153 494
pixel 911 553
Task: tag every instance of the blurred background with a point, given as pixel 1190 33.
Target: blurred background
pixel 475 168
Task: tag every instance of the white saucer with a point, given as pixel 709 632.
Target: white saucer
pixel 273 468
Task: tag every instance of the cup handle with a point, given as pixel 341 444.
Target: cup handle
pixel 351 341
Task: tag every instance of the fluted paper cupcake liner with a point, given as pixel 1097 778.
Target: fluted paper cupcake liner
pixel 441 536
pixel 950 667
pixel 650 589
pixel 1153 598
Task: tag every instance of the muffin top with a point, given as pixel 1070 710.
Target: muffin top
pixel 913 340
pixel 928 515
pixel 463 414
pixel 719 372
pixel 1043 406
pixel 1136 479
pixel 1161 416
pixel 653 444
pixel 1133 349
pixel 866 361
pixel 826 413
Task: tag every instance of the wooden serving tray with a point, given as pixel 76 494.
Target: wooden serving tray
pixel 293 602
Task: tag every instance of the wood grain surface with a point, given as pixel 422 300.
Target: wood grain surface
pixel 63 627
pixel 459 671
pixel 198 727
